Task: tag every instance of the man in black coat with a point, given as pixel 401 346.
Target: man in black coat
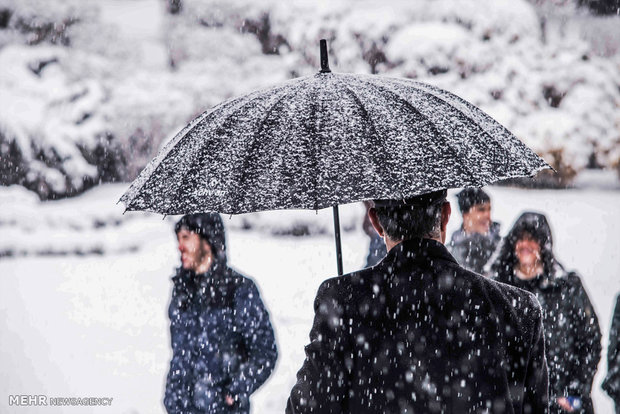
pixel 473 244
pixel 417 333
pixel 223 345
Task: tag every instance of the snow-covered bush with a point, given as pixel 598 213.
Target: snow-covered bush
pixel 36 21
pixel 53 136
pixel 93 108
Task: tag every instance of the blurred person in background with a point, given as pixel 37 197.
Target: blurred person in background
pixel 611 385
pixel 223 345
pixel 473 244
pixel 525 259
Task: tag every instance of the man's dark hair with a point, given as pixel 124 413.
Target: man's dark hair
pixel 415 217
pixel 470 197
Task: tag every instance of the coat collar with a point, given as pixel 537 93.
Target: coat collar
pixel 419 249
pixel 542 282
pixel 216 270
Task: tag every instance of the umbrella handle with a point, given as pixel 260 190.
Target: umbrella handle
pixel 324 58
pixel 338 244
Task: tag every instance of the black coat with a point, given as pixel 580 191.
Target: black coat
pixel 419 334
pixel 222 342
pixel 572 332
pixel 472 251
pixel 612 381
pixel 572 336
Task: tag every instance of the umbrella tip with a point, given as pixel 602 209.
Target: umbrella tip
pixel 324 59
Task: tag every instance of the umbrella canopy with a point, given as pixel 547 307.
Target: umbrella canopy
pixel 328 139
pixel 325 140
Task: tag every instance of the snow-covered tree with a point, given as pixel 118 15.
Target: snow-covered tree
pixel 83 102
pixel 544 82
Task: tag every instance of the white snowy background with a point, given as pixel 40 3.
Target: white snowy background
pixel 84 289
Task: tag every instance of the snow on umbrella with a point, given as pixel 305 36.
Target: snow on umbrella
pixel 328 139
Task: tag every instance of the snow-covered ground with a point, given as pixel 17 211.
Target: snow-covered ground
pixel 83 300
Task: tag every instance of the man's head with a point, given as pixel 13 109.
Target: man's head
pixel 201 240
pixel 423 216
pixel 475 205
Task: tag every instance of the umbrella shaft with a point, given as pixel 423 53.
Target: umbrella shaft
pixel 338 244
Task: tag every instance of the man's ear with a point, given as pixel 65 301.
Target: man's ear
pixel 446 211
pixel 374 220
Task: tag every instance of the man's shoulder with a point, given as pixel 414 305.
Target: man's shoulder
pixel 242 289
pixel 238 280
pixel 342 289
pixel 336 286
pixel 513 298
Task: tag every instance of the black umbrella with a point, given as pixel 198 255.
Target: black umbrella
pixel 328 139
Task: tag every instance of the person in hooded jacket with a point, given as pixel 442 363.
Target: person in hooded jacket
pixel 223 345
pixel 525 259
pixel 611 385
pixel 474 242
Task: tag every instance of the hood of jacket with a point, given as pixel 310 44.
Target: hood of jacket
pixel 537 226
pixel 210 227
